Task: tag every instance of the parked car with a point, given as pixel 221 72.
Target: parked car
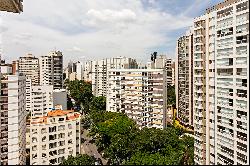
pixel 98 162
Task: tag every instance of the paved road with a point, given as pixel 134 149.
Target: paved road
pixel 90 148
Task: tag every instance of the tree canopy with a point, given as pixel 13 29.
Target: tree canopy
pixel 98 103
pixel 123 143
pixel 81 92
pixel 81 159
pixel 171 99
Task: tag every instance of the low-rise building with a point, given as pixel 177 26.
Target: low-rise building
pixel 54 137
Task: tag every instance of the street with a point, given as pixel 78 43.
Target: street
pixel 90 148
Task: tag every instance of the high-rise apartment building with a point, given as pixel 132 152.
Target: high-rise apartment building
pixel 74 71
pixel 184 78
pixel 51 69
pixel 79 70
pixel 54 137
pixel 29 66
pixel 139 93
pixel 169 71
pixel 173 73
pixel 41 98
pixel 15 66
pixel 12 120
pixel 99 72
pixel 221 85
pixel 162 62
pixel 87 69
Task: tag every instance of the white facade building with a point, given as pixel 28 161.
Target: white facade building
pixel 79 70
pixel 221 85
pixel 54 137
pixel 5 68
pixel 139 93
pixel 51 69
pixel 41 98
pixel 87 71
pixel 162 62
pixel 12 120
pixel 99 72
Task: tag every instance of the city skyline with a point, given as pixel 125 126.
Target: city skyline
pixel 128 82
pixel 117 28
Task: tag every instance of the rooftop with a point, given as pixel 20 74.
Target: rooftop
pixel 70 115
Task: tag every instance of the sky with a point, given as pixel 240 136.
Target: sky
pixel 94 29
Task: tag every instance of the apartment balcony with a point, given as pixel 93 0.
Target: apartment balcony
pixel 198 82
pixel 242 119
pixel 198 91
pixel 198 27
pixel 241 53
pixel 222 133
pixel 198 67
pixel 223 153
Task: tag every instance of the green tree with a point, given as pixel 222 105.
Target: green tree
pixel 98 103
pixel 124 143
pixel 171 99
pixel 188 157
pixel 81 159
pixel 81 92
pixel 69 103
pixel 145 158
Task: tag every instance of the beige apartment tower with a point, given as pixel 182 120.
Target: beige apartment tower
pixel 29 66
pixel 184 78
pixel 139 93
pixel 221 84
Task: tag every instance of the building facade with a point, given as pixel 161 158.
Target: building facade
pixel 184 79
pixel 29 66
pixel 221 85
pixel 79 70
pixel 41 98
pixel 87 71
pixel 51 69
pixel 139 93
pixel 54 137
pixel 99 73
pixel 162 62
pixel 60 98
pixel 12 120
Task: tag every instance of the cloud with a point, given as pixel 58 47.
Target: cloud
pixel 95 28
pixel 75 49
pixel 23 36
pixel 107 15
